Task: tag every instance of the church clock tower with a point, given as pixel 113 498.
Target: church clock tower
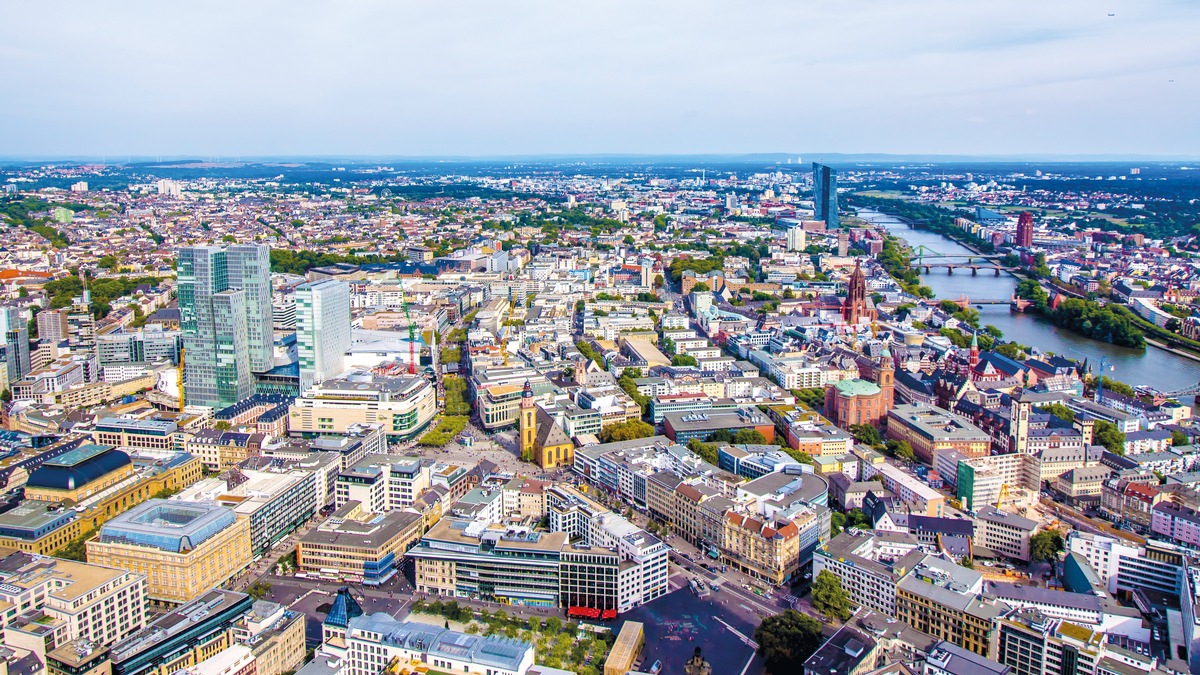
pixel 528 422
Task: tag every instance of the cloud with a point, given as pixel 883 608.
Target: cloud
pixel 474 77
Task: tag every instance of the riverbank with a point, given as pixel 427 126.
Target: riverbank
pixel 1156 367
pixel 1168 348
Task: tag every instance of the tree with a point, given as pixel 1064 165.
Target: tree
pixel 966 562
pixel 1178 438
pixel 700 287
pixel 749 437
pixel 1045 546
pixel 785 641
pixel 857 518
pixel 222 425
pixel 867 435
pixel 626 431
pixel 684 360
pixel 828 596
pixel 259 590
pixel 705 451
pixel 658 281
pixel 1060 411
pixel 837 521
pixel 1107 434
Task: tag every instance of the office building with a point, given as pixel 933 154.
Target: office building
pixel 14 334
pixel 946 658
pixel 405 405
pixel 357 546
pixel 183 549
pixel 322 329
pixel 276 503
pixel 225 315
pixel 614 567
pixel 1030 643
pixel 183 637
pixel 1005 533
pixel 945 600
pixel 825 201
pixel 378 643
pixel 929 430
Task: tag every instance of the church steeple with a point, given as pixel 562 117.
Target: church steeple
pixel 973 360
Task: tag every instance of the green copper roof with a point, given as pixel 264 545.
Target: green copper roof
pixel 857 387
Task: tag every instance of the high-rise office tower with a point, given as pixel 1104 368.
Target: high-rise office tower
pixel 250 272
pixel 225 314
pixel 15 334
pixel 322 329
pixel 825 195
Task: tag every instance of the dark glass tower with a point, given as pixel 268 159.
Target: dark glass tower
pixel 825 195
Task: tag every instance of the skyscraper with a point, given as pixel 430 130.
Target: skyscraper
pixel 825 195
pixel 225 314
pixel 1024 238
pixel 322 329
pixel 797 238
pixel 249 269
pixel 14 333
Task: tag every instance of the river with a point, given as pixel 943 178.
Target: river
pixel 1154 367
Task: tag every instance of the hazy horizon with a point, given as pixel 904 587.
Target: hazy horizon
pixel 534 79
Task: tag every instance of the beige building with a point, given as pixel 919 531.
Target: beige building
pixel 1005 533
pixel 275 635
pixel 404 406
pixel 1084 481
pixel 763 548
pixel 184 549
pixel 79 600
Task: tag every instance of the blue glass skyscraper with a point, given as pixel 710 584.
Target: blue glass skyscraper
pixel 825 195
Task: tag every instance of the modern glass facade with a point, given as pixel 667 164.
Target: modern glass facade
pixel 225 315
pixel 825 204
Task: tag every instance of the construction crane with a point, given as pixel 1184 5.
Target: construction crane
pixel 1003 494
pixel 504 342
pixel 412 336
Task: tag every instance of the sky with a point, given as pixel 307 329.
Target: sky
pixel 514 77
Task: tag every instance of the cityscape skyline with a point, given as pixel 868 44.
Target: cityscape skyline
pixel 932 77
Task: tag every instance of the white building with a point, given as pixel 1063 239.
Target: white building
pixel 322 329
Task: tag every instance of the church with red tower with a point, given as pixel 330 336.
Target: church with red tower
pixel 855 308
